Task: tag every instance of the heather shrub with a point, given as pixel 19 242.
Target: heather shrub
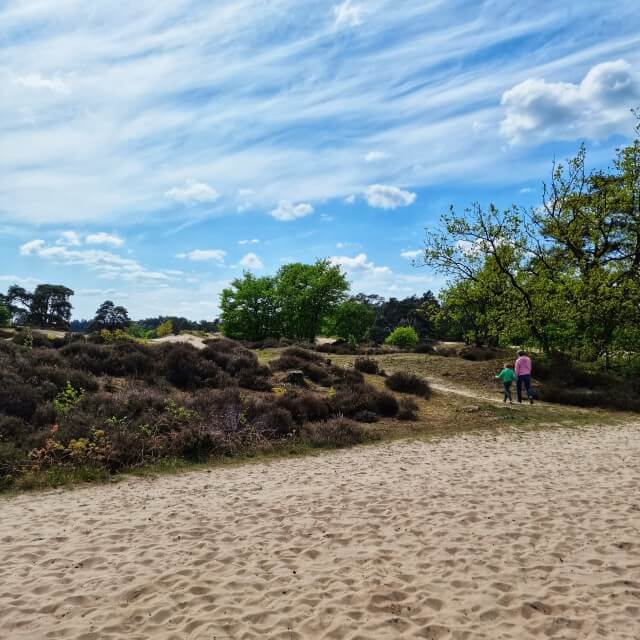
pixel 18 399
pixel 403 337
pixel 304 407
pixel 351 377
pixel 408 383
pixel 11 461
pixel 335 433
pixel 366 365
pixel 424 347
pixel 385 404
pixel 408 409
pixel 12 428
pixel 366 416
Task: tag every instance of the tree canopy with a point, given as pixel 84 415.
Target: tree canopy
pixel 564 276
pixel 48 306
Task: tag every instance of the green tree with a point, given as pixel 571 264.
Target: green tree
pixel 165 329
pixel 249 308
pixel 110 317
pixel 351 320
pixel 5 316
pixel 306 294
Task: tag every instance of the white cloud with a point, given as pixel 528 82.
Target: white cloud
pixel 104 238
pixel 350 199
pixel 376 156
pixel 193 193
pixel 32 247
pixel 348 245
pixel 54 84
pixel 108 265
pixel 411 254
pixel 382 196
pixel 358 263
pixel 596 107
pixel 252 261
pixel 526 190
pixel 204 255
pixel 348 14
pixel 286 211
pixel 69 239
pixel 252 241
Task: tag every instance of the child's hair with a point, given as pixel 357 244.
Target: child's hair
pixel 522 353
pixel 507 365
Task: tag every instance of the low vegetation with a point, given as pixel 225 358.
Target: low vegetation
pixel 404 382
pixel 89 409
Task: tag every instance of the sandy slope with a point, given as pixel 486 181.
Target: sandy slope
pixel 519 535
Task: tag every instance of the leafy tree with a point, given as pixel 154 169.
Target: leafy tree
pixel 351 320
pixel 165 329
pixel 5 316
pixel 405 337
pixel 564 275
pixel 417 312
pixel 48 306
pixel 250 309
pixel 110 317
pixel 306 294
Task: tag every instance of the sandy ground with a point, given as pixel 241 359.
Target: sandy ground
pixel 508 535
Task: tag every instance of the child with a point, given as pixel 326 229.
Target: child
pixel 507 376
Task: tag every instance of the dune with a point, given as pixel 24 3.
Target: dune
pixel 513 534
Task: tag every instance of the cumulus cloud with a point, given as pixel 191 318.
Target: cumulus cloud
pixel 359 262
pixel 69 239
pixel 382 196
pixel 192 193
pixel 376 156
pixel 348 14
pixel 252 261
pixel 252 241
pixel 106 264
pixel 411 254
pixel 350 199
pixel 287 211
pixel 204 255
pixel 104 238
pixel 596 107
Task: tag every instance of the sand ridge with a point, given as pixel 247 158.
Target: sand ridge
pixel 483 535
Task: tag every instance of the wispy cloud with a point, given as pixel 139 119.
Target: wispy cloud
pixel 118 111
pixel 204 255
pixel 106 264
pixel 104 238
pixel 252 241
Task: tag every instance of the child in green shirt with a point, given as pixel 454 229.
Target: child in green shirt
pixel 507 375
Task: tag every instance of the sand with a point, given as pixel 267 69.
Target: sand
pixel 509 535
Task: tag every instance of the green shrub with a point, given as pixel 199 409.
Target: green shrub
pixel 403 337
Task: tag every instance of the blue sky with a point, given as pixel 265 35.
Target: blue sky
pixel 152 150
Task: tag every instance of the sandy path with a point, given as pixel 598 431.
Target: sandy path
pixel 516 535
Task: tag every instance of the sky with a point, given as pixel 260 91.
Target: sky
pixel 152 151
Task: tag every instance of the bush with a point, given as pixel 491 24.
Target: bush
pixel 19 399
pixel 366 365
pixel 403 337
pixel 385 404
pixel 478 354
pixel 335 433
pixel 408 409
pixel 11 460
pixel 408 383
pixel 424 347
